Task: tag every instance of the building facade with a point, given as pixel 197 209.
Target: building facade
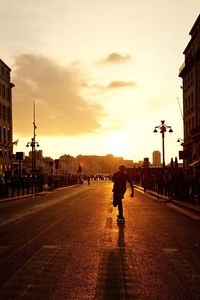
pixel 6 128
pixel 156 158
pixel 190 74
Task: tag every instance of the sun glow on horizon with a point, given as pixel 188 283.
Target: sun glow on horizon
pixel 118 144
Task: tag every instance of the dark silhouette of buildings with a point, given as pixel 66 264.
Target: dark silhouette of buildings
pixel 6 128
pixel 190 73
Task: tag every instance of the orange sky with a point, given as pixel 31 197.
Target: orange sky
pixel 102 73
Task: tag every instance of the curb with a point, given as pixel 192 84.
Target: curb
pixel 22 197
pixel 193 207
pixel 34 195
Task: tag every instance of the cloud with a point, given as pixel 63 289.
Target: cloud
pixel 121 84
pixel 112 85
pixel 116 58
pixel 60 107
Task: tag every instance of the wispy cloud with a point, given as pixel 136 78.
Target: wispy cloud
pixel 60 107
pixel 121 84
pixel 117 84
pixel 116 58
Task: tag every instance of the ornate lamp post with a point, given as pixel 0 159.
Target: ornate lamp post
pixel 33 144
pixel 163 128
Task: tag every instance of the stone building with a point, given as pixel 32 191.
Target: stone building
pixel 6 129
pixel 156 155
pixel 190 74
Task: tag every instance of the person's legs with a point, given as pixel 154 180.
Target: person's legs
pixel 120 208
pixel 115 199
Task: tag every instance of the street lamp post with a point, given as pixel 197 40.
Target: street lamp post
pixel 163 128
pixel 33 144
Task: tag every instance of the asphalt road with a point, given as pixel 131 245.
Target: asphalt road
pixel 66 244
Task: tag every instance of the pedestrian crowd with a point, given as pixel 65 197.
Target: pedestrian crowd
pixel 177 183
pixel 12 185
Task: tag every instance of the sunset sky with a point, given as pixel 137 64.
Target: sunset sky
pixel 102 73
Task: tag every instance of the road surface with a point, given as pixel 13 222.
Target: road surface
pixel 66 244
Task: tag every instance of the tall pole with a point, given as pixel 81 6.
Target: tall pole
pixel 163 148
pixel 33 140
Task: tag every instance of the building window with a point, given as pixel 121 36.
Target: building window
pixel 8 94
pixel 8 115
pixel 8 135
pixel 189 126
pixel 192 102
pixel 0 134
pixel 186 128
pixel 192 122
pixel 4 113
pixel 189 106
pixel 186 105
pixel 0 110
pixel 4 134
pixel 2 70
pixel 3 91
pixel 7 74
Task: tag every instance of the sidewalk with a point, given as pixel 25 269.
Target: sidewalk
pixel 162 198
